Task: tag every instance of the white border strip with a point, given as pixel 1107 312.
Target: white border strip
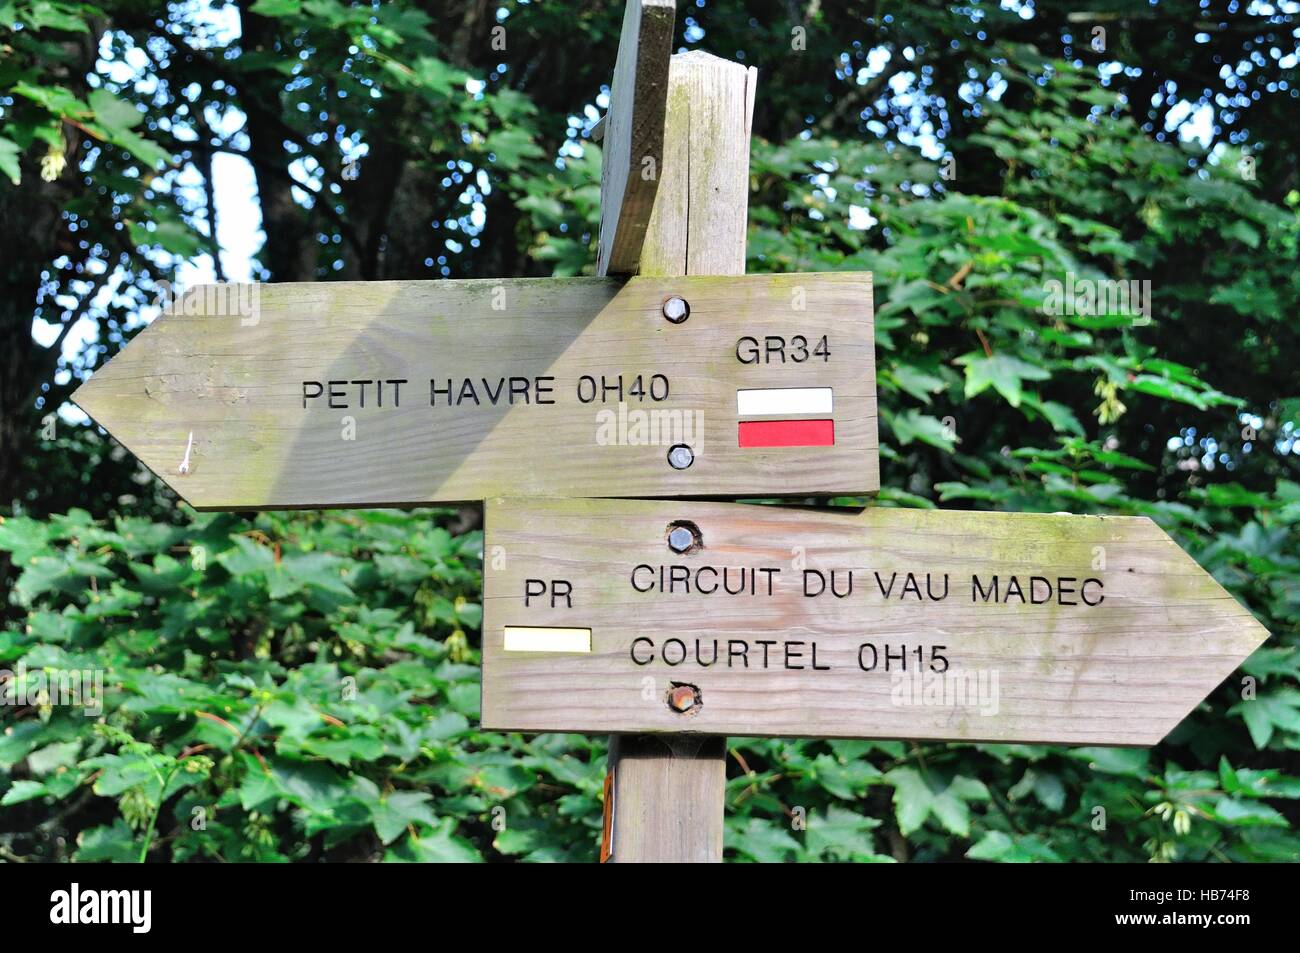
pixel 784 401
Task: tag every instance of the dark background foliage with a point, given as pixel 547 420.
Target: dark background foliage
pixel 305 686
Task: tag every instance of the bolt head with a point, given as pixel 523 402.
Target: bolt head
pixel 684 698
pixel 676 310
pixel 680 457
pixel 681 539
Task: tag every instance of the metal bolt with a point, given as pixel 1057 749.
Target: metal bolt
pixel 680 539
pixel 684 537
pixel 684 698
pixel 676 310
pixel 680 456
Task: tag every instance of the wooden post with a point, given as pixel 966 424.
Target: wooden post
pixel 668 790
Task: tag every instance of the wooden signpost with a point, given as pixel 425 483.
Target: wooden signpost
pixel 672 624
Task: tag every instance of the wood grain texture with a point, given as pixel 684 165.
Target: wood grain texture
pixel 633 134
pixel 1123 671
pixel 701 212
pixel 239 390
pixel 668 792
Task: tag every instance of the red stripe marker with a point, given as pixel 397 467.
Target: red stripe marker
pixel 787 433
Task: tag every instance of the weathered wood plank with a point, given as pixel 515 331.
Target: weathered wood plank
pixel 249 396
pixel 633 134
pixel 1103 631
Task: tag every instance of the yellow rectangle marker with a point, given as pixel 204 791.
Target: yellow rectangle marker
pixel 535 638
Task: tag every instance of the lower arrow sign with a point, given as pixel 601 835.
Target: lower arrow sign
pixel 632 616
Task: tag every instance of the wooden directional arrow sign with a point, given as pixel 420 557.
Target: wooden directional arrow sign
pixel 636 616
pixel 397 393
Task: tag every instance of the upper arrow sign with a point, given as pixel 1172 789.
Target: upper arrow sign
pixel 401 393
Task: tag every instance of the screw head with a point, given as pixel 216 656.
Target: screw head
pixel 680 456
pixel 676 309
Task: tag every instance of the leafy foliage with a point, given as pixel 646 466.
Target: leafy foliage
pixel 282 689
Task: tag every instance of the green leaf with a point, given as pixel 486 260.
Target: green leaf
pixel 247 557
pixel 1267 712
pixel 841 834
pixel 1168 389
pixel 120 773
pixel 113 114
pixel 1002 848
pixel 295 719
pixel 356 749
pixel 470 614
pixel 1046 787
pixel 768 842
pixel 911 425
pixel 22 791
pixel 314 786
pixel 115 843
pixel 174 237
pixel 1247 813
pixel 276 8
pixel 915 799
pixel 9 153
pixel 1000 371
pixel 913 380
pixel 1061 418
pixel 54 16
pixel 1251 782
pixel 847 780
pixel 505 780
pixel 51 757
pixel 512 146
pixel 393 813
pixel 1130 762
pixel 318 570
pixel 439 846
pixel 257 788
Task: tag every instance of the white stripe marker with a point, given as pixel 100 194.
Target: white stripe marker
pixel 536 638
pixel 784 401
